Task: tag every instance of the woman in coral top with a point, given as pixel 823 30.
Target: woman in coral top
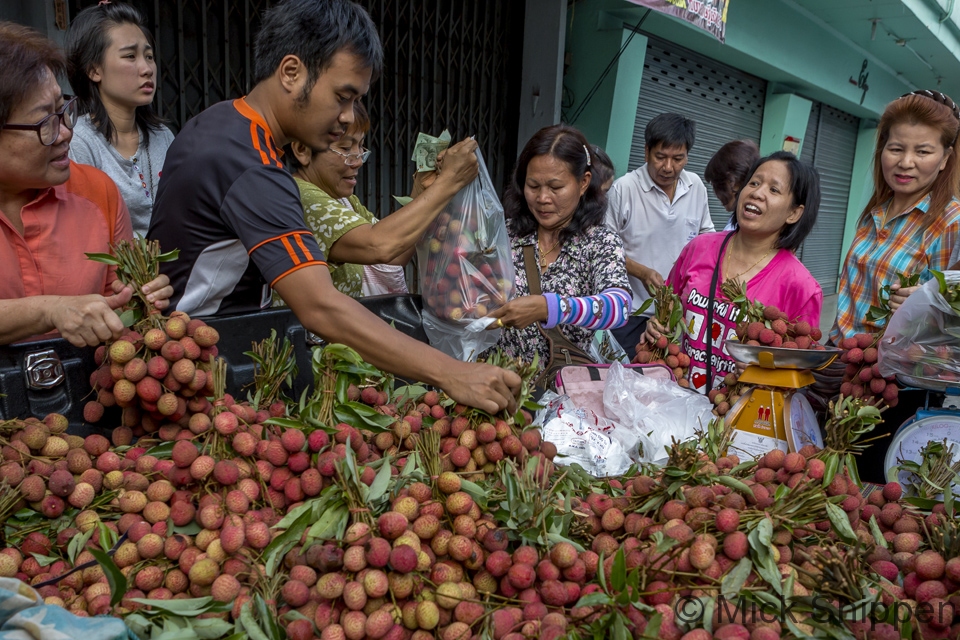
pixel 775 211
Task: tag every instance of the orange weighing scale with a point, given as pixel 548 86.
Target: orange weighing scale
pixel 772 415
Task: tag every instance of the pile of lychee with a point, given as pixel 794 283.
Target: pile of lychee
pixel 666 352
pixel 861 377
pixel 776 330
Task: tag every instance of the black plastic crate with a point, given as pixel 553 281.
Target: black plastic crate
pixel 53 376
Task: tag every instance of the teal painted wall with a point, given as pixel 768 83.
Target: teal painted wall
pixel 593 40
pixel 784 114
pixel 623 107
pixel 862 180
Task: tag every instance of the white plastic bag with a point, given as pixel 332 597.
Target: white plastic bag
pixel 922 339
pixel 466 268
pixel 584 438
pixel 653 410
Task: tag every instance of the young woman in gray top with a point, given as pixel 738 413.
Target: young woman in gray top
pixel 112 71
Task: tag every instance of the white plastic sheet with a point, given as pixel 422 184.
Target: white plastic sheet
pixel 642 414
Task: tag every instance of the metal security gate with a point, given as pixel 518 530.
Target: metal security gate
pixel 449 64
pixel 726 103
pixel 830 143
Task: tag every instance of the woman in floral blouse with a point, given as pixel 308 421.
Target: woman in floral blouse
pixel 555 203
pixel 366 256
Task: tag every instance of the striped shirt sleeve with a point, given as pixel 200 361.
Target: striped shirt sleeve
pixel 606 310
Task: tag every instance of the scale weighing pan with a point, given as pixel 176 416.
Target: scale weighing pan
pixel 930 384
pixel 911 438
pixel 781 358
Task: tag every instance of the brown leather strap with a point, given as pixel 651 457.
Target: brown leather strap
pixel 533 274
pixel 533 283
pixel 562 351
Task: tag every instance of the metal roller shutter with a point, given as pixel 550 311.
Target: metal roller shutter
pixel 727 104
pixel 830 144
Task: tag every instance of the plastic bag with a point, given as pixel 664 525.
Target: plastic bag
pixel 654 409
pixel 922 339
pixel 582 437
pixel 604 349
pixel 463 342
pixel 466 268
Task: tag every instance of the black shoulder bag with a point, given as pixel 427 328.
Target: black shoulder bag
pixel 713 295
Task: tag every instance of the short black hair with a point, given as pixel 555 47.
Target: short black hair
pixel 85 44
pixel 315 31
pixel 602 166
pixel 670 129
pixel 730 167
pixel 567 144
pixel 26 56
pixel 805 187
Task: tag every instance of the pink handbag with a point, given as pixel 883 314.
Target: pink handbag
pixel 584 383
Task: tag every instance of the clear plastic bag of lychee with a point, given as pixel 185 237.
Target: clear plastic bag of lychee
pixel 922 339
pixel 466 269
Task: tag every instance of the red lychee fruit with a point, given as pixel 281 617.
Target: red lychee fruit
pixel 735 545
pixel 61 483
pixel 184 453
pixel 226 472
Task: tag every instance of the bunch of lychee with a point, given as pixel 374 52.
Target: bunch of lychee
pixel 776 330
pixel 861 377
pixel 156 378
pixel 462 279
pixel 468 445
pixel 666 352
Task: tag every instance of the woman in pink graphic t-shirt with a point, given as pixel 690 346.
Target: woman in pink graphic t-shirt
pixel 776 210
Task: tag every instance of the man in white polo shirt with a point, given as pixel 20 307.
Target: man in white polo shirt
pixel 657 209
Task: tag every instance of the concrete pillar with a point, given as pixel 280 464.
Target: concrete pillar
pixel 623 102
pixel 607 117
pixel 861 181
pixel 541 83
pixel 784 115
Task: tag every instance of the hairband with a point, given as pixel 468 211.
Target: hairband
pixel 937 97
pixel 587 151
pixel 103 2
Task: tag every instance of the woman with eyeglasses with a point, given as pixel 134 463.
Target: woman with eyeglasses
pixel 53 211
pixel 111 67
pixel 366 256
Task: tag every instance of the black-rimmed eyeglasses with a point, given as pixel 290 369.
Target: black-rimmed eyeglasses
pixel 48 129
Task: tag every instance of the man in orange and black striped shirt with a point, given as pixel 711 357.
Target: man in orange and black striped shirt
pixel 226 201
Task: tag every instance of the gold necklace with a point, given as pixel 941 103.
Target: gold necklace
pixel 752 266
pixel 544 254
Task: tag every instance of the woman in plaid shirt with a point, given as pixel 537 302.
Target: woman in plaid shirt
pixel 912 222
pixel 911 225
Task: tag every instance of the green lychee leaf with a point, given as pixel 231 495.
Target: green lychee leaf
pixel 733 582
pixel 115 578
pixel 877 534
pixel 618 573
pixel 44 561
pixel 841 524
pixel 381 482
pixel 593 599
pixel 104 258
